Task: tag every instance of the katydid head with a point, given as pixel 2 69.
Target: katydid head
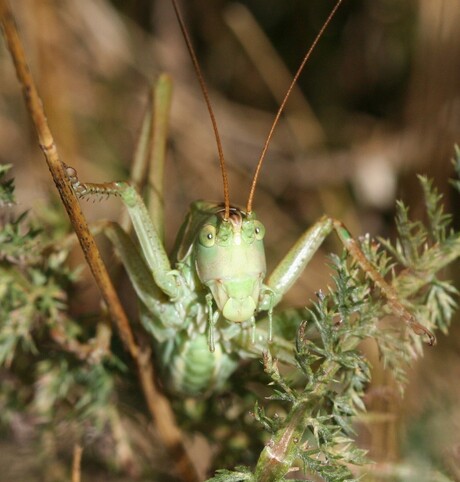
pixel 230 261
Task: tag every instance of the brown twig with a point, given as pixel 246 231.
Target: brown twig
pixel 93 352
pixel 158 405
pixel 76 463
pixel 46 141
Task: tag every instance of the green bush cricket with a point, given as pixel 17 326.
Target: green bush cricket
pixel 200 303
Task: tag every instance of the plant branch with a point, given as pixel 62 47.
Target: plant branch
pixel 76 463
pixel 48 146
pixel 279 453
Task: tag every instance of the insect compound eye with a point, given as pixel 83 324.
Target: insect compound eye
pixel 259 230
pixel 207 236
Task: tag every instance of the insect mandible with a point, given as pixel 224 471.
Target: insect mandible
pixel 200 303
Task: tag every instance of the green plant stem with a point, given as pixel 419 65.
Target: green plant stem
pixel 280 452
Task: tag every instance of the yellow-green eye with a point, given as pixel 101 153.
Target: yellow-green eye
pixel 259 230
pixel 207 236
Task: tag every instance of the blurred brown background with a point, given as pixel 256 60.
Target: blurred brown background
pixel 377 104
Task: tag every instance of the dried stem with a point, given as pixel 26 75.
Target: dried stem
pixel 76 463
pixel 46 141
pixel 158 405
pixel 93 351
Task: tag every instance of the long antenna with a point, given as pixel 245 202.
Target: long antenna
pixel 204 89
pixel 281 107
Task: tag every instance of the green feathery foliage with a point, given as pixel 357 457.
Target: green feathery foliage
pixel 48 373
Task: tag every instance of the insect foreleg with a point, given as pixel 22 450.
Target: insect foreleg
pixel 290 268
pixel 151 244
pixel 164 319
pixel 292 265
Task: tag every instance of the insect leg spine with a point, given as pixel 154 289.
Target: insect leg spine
pixel 83 189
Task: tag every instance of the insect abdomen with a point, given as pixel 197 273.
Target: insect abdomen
pixel 192 369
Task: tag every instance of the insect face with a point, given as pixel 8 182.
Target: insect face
pixel 230 261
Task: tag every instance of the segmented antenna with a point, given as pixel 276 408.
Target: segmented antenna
pixel 204 89
pixel 281 108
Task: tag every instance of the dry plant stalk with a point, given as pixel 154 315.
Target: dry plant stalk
pixel 157 403
pixel 76 463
